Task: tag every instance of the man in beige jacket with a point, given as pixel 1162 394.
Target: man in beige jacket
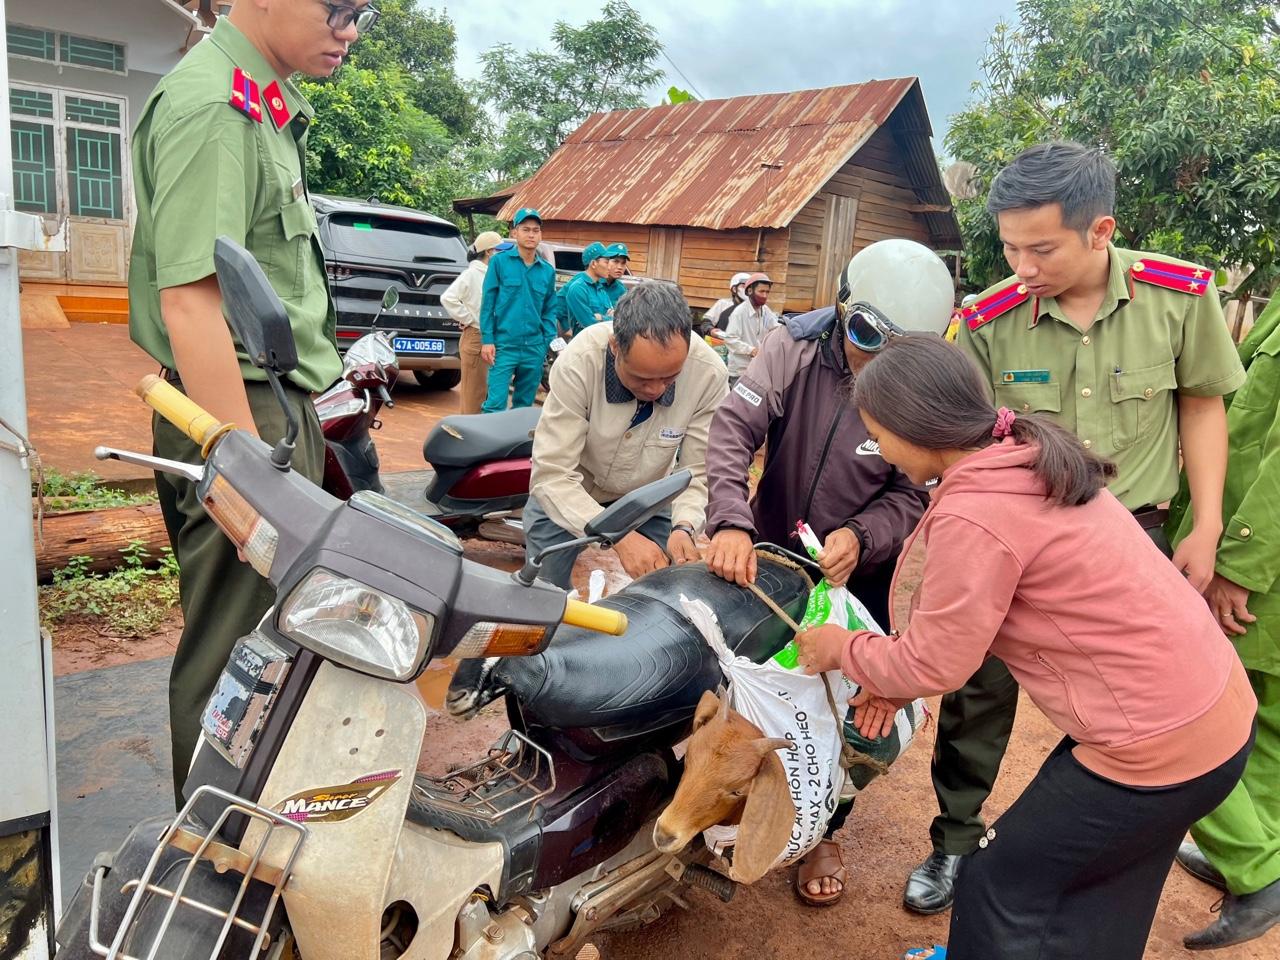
pixel 630 401
pixel 462 302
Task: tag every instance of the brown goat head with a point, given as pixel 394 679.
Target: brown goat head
pixel 732 775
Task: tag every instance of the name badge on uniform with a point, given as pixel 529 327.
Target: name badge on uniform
pixel 1024 376
pixel 298 189
pixel 671 433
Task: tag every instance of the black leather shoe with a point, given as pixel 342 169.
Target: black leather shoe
pixel 1241 919
pixel 1197 864
pixel 932 885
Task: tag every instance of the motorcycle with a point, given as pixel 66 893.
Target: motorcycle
pixel 480 464
pixel 349 409
pixel 306 830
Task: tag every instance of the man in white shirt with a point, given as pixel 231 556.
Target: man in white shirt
pixel 717 314
pixel 630 402
pixel 462 302
pixel 748 323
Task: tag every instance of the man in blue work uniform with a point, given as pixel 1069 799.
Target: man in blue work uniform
pixel 517 316
pixel 618 257
pixel 583 301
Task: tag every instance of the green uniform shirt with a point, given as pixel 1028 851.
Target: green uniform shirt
pixel 614 289
pixel 518 307
pixel 1116 385
pixel 203 169
pixel 1249 553
pixel 585 303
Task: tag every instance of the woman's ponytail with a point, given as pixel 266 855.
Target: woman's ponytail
pixel 1072 475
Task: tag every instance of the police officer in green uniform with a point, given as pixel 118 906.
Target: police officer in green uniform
pixel 517 316
pixel 1237 846
pixel 219 151
pixel 1127 349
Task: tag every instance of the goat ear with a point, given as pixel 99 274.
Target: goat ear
pixel 767 820
pixel 708 707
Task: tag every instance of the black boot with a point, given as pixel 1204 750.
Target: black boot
pixel 1197 864
pixel 932 885
pixel 1241 918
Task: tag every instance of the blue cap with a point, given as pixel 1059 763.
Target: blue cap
pixel 504 245
pixel 617 250
pixel 593 252
pixel 523 214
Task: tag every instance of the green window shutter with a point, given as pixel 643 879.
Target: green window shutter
pixel 31 103
pixel 29 42
pixel 84 52
pixel 85 110
pixel 95 181
pixel 34 175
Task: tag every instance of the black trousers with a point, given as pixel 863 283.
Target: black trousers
pixel 1075 867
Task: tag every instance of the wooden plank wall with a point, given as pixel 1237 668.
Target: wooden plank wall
pixel 708 258
pixel 876 178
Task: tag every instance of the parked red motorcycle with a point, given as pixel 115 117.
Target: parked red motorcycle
pixel 480 463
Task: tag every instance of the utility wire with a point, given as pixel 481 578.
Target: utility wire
pixel 692 88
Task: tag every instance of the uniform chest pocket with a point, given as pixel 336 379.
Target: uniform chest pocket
pixel 1029 397
pixel 298 226
pixel 1139 402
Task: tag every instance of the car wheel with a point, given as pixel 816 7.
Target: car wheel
pixel 438 379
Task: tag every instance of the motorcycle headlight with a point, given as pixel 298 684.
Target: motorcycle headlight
pixel 357 626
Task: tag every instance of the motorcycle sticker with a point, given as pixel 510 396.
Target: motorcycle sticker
pixel 337 803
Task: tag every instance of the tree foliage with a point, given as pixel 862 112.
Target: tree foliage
pixel 1185 97
pixel 541 96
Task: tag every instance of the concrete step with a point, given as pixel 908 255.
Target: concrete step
pixel 89 309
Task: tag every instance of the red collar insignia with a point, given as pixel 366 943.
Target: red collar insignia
pixel 276 105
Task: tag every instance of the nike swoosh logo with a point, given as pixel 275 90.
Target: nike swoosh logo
pixel 868 448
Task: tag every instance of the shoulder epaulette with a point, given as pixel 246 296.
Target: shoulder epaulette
pixel 995 305
pixel 1183 277
pixel 245 95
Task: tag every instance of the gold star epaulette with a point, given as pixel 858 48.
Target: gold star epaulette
pixel 1183 277
pixel 245 95
pixel 997 304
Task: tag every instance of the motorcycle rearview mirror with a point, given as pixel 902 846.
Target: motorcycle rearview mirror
pixel 258 319
pixel 625 515
pixel 389 301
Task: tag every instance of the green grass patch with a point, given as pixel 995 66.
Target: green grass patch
pixel 85 490
pixel 129 602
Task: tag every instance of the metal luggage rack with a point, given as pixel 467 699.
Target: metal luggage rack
pixel 187 835
pixel 515 774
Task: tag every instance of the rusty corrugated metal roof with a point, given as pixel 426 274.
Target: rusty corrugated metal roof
pixel 751 161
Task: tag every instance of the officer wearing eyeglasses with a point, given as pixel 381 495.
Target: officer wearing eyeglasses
pixel 220 151
pixel 820 465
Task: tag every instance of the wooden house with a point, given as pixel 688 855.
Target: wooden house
pixel 790 184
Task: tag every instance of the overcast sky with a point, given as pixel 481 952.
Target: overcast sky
pixel 731 47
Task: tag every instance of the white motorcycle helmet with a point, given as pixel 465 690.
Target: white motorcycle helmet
pixel 894 288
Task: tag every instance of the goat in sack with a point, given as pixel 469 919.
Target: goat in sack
pixel 733 775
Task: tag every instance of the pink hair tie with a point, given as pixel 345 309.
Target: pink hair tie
pixel 1004 423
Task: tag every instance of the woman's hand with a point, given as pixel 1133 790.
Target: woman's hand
pixel 872 715
pixel 822 647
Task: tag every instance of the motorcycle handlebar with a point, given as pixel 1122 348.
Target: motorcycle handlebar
pixel 184 413
pixel 384 396
pixel 590 617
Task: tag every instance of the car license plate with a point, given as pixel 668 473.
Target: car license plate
pixel 418 345
pixel 246 691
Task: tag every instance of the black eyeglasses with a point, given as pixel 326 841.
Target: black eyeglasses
pixel 342 15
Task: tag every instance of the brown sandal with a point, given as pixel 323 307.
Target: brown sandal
pixel 823 861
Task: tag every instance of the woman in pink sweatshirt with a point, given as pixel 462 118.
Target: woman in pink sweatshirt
pixel 1028 558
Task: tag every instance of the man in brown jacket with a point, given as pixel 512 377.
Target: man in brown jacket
pixel 821 467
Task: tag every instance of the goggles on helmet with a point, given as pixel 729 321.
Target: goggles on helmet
pixel 867 328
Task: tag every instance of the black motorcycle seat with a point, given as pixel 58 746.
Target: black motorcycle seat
pixel 463 440
pixel 622 689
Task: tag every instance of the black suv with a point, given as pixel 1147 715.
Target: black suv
pixel 369 246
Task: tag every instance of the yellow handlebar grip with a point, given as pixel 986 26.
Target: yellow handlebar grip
pixel 590 617
pixel 183 412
